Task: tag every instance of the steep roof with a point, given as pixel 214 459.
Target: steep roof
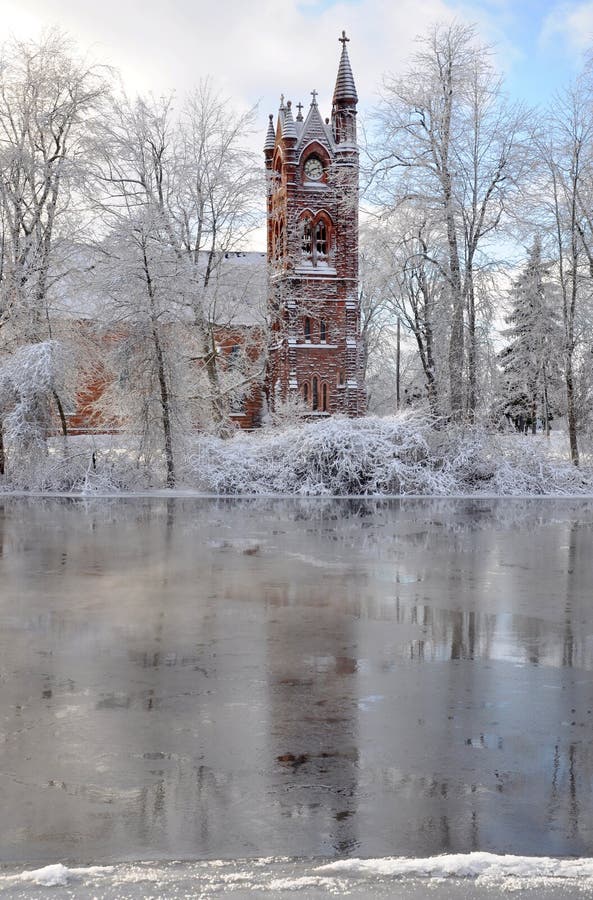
pixel 315 129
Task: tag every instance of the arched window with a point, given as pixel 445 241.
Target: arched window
pixel 321 239
pixel 307 239
pixel 278 239
pixel 340 378
pixel 316 236
pixel 306 393
pixel 307 328
pixel 324 397
pixel 315 392
pixel 322 332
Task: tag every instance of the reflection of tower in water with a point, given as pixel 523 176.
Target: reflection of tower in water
pixel 313 713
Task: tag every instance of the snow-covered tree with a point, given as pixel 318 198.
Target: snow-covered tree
pixel 529 360
pixel 30 381
pixel 48 98
pixel 567 151
pixel 449 144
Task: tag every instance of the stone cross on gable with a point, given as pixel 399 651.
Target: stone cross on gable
pixel 300 109
pixel 314 95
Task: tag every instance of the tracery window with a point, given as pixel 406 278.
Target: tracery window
pixel 316 238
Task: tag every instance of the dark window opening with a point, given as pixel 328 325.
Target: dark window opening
pixel 307 238
pixel 315 403
pixel 321 239
pixel 324 397
pixel 322 332
pixel 306 392
pixel 307 329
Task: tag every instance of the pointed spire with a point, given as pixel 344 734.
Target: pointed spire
pixel 288 126
pixel 270 141
pixel 345 88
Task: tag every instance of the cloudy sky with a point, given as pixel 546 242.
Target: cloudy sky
pixel 254 49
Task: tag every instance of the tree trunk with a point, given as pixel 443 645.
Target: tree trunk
pixel 546 403
pixel 165 410
pixel 456 342
pixel 571 413
pixel 216 401
pixel 471 350
pixel 165 403
pixel 61 414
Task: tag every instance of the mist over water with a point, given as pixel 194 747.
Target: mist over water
pixel 203 679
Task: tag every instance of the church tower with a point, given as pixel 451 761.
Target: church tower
pixel 312 216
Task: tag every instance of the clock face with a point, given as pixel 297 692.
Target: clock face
pixel 314 168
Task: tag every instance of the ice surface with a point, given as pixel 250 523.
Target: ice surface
pixel 379 680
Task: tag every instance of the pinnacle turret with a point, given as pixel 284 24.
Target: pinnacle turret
pixel 345 89
pixel 288 126
pixel 270 141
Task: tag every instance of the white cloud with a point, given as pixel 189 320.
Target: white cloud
pixel 252 50
pixel 570 26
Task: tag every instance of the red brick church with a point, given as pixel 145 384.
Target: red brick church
pixel 312 169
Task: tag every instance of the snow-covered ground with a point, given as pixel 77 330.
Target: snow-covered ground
pixel 455 877
pixel 401 456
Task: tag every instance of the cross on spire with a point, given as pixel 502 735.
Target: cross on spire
pixel 314 95
pixel 343 39
pixel 300 111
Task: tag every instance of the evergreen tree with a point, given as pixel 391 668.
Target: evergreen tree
pixel 529 370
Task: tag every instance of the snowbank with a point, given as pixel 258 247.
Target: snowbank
pixel 464 865
pixel 401 456
pixel 285 877
pixel 55 875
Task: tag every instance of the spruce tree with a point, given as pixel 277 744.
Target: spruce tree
pixel 528 360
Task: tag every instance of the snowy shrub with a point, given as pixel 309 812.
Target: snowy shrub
pixel 402 455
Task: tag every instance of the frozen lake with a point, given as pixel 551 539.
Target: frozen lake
pixel 195 679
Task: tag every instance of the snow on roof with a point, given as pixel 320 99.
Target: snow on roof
pixel 236 292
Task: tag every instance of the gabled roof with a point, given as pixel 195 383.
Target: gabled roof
pixel 315 129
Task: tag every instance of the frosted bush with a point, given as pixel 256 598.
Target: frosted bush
pixel 404 455
pixel 401 455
